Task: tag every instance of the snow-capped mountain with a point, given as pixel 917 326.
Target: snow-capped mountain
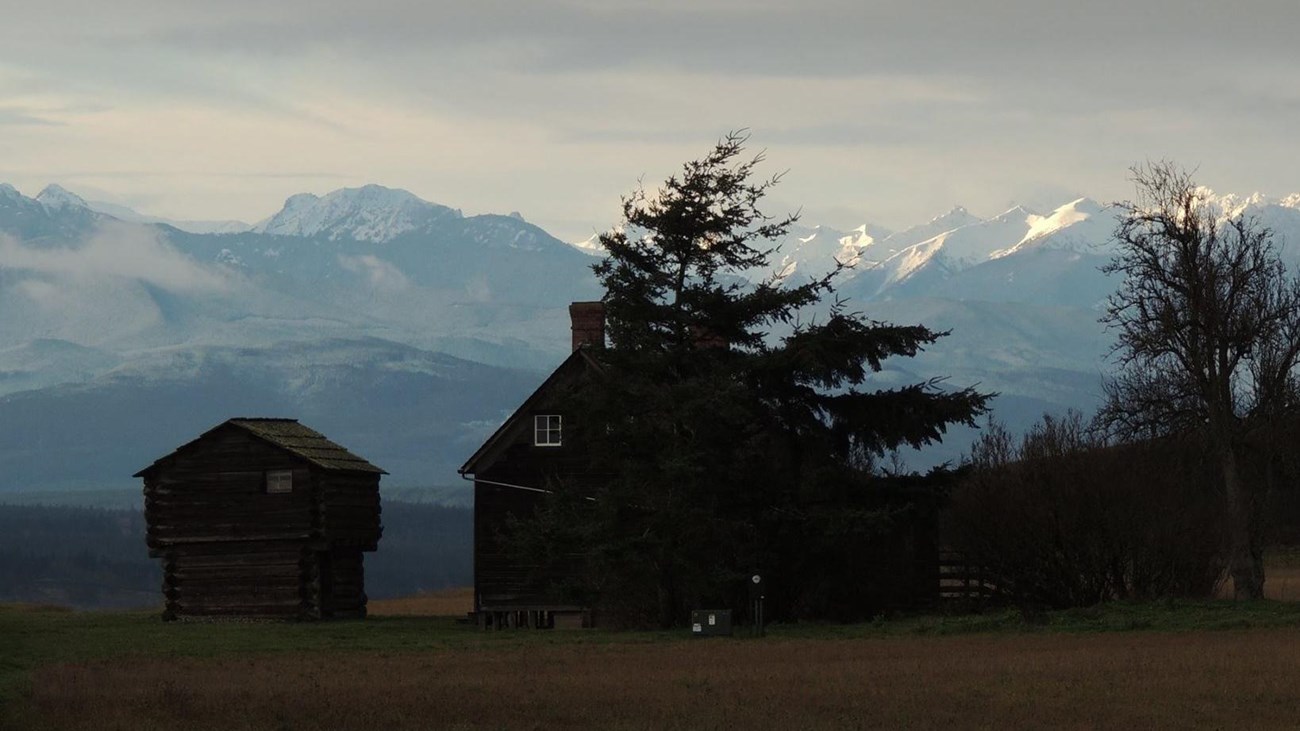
pixel 27 219
pixel 897 242
pixel 370 213
pixel 974 241
pixel 590 246
pixel 486 287
pixel 55 197
pixel 371 285
pixel 810 252
pixel 1080 225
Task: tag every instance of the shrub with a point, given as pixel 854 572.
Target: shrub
pixel 1065 519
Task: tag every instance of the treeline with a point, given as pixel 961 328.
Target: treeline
pixel 81 557
pixel 96 558
pixel 1064 517
pixel 424 547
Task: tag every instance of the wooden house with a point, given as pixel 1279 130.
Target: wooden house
pixel 262 518
pixel 511 471
pixel 535 448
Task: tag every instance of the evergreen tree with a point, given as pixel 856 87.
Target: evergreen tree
pixel 734 428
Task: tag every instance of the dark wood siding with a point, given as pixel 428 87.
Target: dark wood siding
pixel 503 579
pixel 350 510
pixel 247 579
pixel 230 548
pixel 347 597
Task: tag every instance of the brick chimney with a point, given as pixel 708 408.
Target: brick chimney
pixel 705 338
pixel 588 324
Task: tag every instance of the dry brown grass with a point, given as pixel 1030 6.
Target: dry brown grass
pixel 1152 680
pixel 445 603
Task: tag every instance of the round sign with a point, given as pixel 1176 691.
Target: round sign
pixel 756 579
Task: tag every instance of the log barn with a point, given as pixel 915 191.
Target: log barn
pixel 262 518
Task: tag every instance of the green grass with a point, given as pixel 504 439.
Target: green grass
pixel 34 636
pixel 1158 616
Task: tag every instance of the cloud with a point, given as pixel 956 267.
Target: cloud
pixel 115 250
pixel 381 274
pixel 554 107
pixel 11 116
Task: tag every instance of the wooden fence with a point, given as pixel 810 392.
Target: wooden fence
pixel 963 583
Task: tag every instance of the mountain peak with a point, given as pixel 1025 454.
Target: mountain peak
pixel 55 197
pixel 1016 211
pixel 590 246
pixel 369 213
pixel 954 218
pixel 1083 205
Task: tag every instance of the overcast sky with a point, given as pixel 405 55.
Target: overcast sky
pixel 888 112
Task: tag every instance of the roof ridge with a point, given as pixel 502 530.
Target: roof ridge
pixel 292 437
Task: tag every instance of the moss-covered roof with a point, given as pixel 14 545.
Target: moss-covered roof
pixel 292 437
pixel 305 442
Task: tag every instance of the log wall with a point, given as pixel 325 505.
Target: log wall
pixel 350 510
pixel 229 548
pixel 246 579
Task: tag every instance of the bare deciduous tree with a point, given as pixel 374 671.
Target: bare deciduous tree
pixel 1208 323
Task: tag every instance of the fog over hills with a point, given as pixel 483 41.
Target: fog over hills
pixel 407 330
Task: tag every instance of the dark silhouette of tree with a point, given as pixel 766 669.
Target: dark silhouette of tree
pixel 1062 518
pixel 1208 324
pixel 728 446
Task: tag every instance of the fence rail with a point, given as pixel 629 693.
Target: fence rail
pixel 964 582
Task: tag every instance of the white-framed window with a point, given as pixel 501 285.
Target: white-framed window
pixel 279 481
pixel 546 430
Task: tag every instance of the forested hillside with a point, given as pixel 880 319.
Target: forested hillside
pixel 96 558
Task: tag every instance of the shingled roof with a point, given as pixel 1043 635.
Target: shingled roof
pixel 296 439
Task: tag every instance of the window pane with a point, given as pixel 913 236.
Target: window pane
pixel 547 430
pixel 279 481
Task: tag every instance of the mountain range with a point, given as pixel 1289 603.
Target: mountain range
pixel 407 330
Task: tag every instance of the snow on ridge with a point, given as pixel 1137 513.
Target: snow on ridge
pixel 814 251
pixel 950 221
pixel 1232 205
pixel 55 197
pixel 590 246
pixel 370 213
pixel 979 241
pixel 910 260
pixel 975 242
pixel 853 246
pixel 1073 213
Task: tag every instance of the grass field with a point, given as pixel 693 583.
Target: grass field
pixel 1165 665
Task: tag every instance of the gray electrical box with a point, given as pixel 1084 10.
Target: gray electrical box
pixel 711 622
